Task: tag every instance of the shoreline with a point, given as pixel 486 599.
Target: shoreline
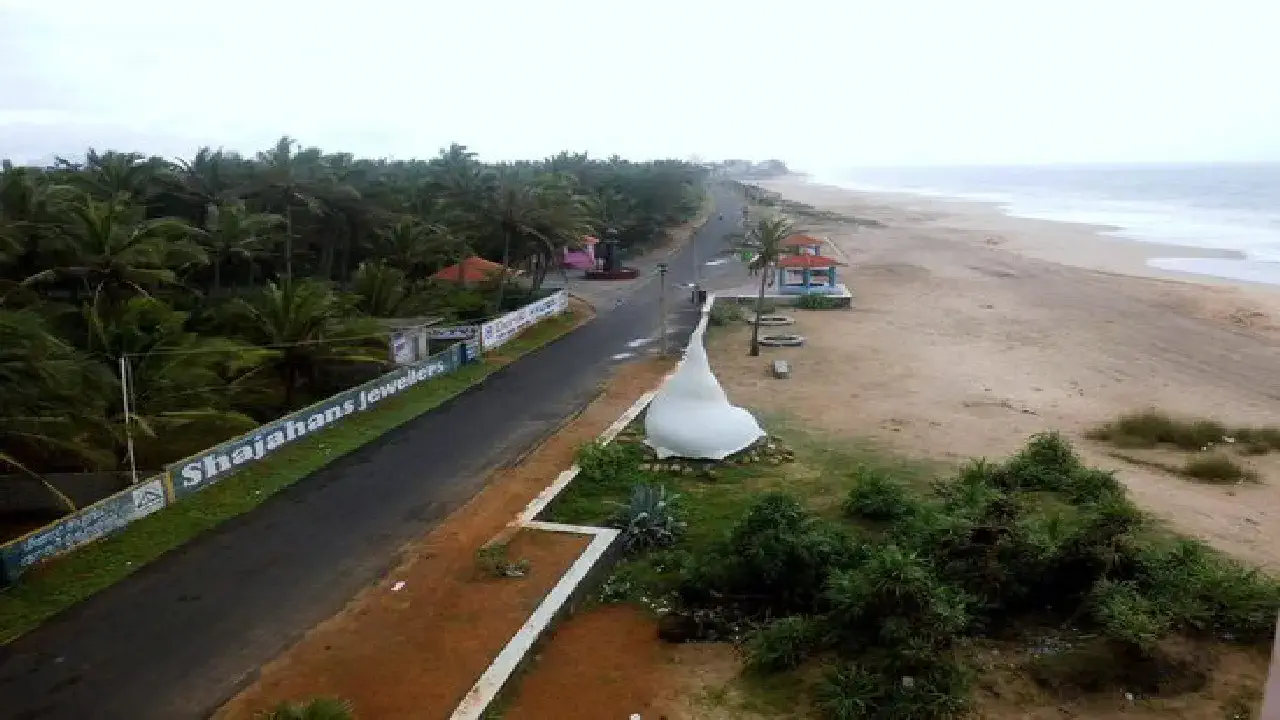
pixel 1082 245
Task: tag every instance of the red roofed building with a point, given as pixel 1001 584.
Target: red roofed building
pixel 803 244
pixel 806 274
pixel 472 270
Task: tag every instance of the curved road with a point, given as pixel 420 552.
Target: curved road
pixel 179 637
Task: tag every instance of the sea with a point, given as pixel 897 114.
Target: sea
pixel 1232 207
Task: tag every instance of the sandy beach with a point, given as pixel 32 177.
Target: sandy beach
pixel 972 330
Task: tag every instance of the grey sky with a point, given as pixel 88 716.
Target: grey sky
pixel 822 84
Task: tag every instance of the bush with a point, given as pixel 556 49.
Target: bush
pixel 783 644
pixel 650 520
pixel 600 463
pixel 317 709
pixel 1215 467
pixel 1048 462
pixel 1149 428
pixel 1201 589
pixel 1037 539
pixel 492 561
pixel 818 302
pixel 854 692
pixel 724 314
pixel 877 496
pixel 777 558
pixel 1261 440
pixel 895 600
pixel 1126 615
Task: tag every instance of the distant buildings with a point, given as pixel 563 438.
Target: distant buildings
pixel 746 169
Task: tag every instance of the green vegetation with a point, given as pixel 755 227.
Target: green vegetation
pixel 766 238
pixel 818 302
pixel 651 519
pixel 768 198
pixel 871 585
pixel 724 314
pixel 492 561
pixel 1213 445
pixel 1216 467
pixel 240 288
pixel 317 709
pixel 1152 428
pixel 70 579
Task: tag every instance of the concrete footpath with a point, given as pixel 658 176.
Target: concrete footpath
pixel 180 636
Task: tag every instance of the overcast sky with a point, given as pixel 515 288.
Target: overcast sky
pixel 821 84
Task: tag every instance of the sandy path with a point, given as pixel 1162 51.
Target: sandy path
pixel 967 338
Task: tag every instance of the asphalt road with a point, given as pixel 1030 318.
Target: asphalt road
pixel 179 637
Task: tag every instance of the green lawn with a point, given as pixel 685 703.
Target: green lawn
pixel 80 574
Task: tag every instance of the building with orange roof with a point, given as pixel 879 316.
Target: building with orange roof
pixel 802 244
pixel 472 270
pixel 806 273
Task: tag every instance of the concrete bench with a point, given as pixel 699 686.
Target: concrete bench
pixel 781 369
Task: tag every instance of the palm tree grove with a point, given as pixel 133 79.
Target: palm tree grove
pixel 240 288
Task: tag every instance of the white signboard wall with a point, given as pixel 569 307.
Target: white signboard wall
pixel 498 331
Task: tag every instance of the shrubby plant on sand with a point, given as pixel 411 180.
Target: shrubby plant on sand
pixel 890 598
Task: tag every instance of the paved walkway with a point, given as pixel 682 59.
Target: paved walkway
pixel 179 637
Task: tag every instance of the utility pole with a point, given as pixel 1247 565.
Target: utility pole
pixel 697 267
pixel 126 392
pixel 662 309
pixel 288 241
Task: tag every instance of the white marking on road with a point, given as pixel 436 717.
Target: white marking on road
pixel 623 356
pixel 638 342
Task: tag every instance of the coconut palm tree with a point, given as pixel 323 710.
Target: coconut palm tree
pixel 512 205
pixel 112 174
pixel 112 250
pixel 181 385
pixel 209 178
pixel 287 179
pixel 306 327
pixel 51 401
pixel 766 238
pixel 233 233
pixel 564 218
pixel 382 290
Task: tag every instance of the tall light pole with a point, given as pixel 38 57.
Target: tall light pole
pixel 662 309
pixel 697 268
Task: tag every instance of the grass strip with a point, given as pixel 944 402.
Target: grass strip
pixel 57 585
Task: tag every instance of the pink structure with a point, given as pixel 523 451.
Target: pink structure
pixel 584 259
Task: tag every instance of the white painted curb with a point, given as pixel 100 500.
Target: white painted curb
pixel 495 677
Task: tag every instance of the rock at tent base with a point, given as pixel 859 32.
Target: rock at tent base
pixel 692 418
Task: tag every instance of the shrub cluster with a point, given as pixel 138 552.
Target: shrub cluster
pixel 1151 428
pixel 817 302
pixel 651 517
pixel 1038 538
pixel 725 314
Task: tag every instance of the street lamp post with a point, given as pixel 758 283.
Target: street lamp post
pixel 662 309
pixel 697 268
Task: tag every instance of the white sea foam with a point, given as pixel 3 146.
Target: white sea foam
pixel 1234 208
